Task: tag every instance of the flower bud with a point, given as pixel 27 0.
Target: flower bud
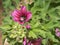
pixel 28 26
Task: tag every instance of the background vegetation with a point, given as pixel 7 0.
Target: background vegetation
pixel 45 19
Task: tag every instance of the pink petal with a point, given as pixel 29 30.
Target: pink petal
pixel 24 41
pixel 15 19
pixel 58 34
pixel 28 26
pixel 29 16
pixel 16 13
pixel 57 30
pixel 37 41
pixel 29 43
pixel 23 10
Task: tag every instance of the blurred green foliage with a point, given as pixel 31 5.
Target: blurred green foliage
pixel 45 19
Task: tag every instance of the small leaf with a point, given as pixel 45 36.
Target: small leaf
pixel 32 34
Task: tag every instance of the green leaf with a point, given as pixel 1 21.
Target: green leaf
pixel 40 32
pixel 32 34
pixel 44 41
pixel 6 27
pixel 51 36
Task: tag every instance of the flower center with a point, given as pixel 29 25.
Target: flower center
pixel 22 19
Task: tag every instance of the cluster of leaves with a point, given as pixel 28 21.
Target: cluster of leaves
pixel 12 31
pixel 45 18
pixel 9 5
pixel 9 28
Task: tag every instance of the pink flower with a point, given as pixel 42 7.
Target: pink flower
pixel 32 42
pixel 24 41
pixel 28 26
pixel 21 16
pixel 37 41
pixel 57 32
pixel 29 43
